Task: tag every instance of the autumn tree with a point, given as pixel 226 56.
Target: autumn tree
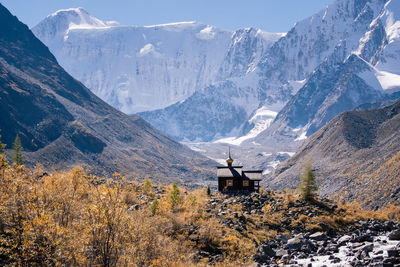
pixel 17 151
pixel 308 187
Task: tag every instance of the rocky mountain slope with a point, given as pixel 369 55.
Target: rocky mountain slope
pixel 61 123
pixel 349 155
pixel 353 73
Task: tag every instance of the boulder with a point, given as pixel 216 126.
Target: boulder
pixel 394 253
pixel 318 236
pixel 280 253
pixel 267 251
pixel 295 243
pixel 394 235
pixel 343 240
pixel 367 247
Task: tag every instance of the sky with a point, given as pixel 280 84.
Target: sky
pixel 268 15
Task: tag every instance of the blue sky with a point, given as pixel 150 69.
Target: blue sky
pixel 268 15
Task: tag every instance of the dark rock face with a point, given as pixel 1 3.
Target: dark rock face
pixel 353 145
pixel 332 89
pixel 84 140
pixel 62 124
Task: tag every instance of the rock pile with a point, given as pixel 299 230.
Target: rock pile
pixel 359 243
pixel 373 243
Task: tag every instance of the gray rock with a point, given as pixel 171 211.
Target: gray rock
pixel 134 207
pixel 343 240
pixel 367 247
pixel 282 238
pixel 395 235
pixel 393 253
pixel 295 243
pixel 318 236
pixel 268 251
pixel 280 253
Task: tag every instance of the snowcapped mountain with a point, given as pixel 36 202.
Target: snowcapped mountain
pixel 359 70
pixel 141 68
pixel 265 92
pixel 276 73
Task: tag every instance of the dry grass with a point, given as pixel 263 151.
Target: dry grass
pixel 70 218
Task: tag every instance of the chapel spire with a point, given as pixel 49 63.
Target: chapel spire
pixel 229 160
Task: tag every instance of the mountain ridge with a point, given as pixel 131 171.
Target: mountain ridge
pixel 61 123
pixel 170 61
pixel 352 145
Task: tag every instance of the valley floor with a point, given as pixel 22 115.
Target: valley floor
pixel 74 219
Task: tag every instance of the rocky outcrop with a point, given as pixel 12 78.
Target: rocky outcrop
pixel 372 243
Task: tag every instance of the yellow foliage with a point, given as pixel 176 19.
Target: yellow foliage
pixel 74 219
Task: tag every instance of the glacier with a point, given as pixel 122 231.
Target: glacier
pixel 138 68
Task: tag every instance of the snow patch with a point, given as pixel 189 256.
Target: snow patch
pixel 274 163
pixel 207 33
pixel 286 153
pixel 297 85
pixel 220 161
pixel 176 26
pixel 388 81
pixel 149 49
pixel 303 136
pixel 370 78
pixel 262 119
pixel 266 154
pixel 266 172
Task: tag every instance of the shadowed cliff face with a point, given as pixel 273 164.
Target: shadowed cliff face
pixel 61 123
pixel 353 145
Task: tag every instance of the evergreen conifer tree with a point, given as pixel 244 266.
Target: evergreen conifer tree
pixel 154 206
pixel 147 187
pixel 17 152
pixel 174 196
pixel 308 187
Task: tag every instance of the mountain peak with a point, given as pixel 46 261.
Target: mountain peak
pixel 71 18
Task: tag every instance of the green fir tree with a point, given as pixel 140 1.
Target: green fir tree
pixel 17 152
pixel 308 186
pixel 147 187
pixel 154 206
pixel 208 190
pixel 174 197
